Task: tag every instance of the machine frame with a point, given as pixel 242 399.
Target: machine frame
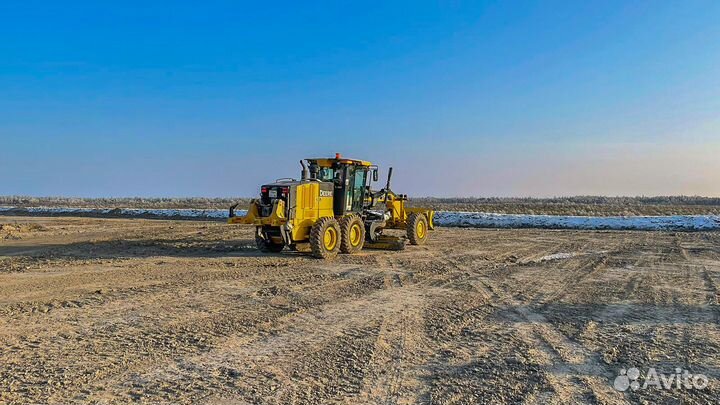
pixel 332 208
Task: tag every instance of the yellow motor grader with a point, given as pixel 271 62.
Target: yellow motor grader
pixel 332 209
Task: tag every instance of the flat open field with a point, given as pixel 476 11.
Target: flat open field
pixel 578 205
pixel 116 310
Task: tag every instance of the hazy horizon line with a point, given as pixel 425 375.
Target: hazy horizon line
pixel 548 197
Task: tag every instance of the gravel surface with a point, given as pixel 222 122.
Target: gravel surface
pixel 157 311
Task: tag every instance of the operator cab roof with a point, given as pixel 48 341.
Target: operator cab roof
pixel 329 162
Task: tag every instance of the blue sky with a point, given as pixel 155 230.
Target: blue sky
pixel 186 98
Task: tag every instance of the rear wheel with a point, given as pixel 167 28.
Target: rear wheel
pixel 417 228
pixel 353 234
pixel 325 238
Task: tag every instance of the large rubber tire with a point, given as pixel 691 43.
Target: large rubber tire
pixel 325 238
pixel 267 246
pixel 352 229
pixel 417 228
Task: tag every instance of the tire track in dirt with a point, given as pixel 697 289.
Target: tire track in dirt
pixel 591 266
pixel 380 387
pixel 150 284
pixel 713 294
pixel 284 351
pixel 213 326
pixel 566 356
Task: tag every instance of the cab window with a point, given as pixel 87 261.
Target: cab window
pixel 326 174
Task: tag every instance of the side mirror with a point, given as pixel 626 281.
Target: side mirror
pixel 375 174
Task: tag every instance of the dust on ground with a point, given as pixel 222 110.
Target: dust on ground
pixel 119 310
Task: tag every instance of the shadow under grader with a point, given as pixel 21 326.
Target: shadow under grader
pixel 143 248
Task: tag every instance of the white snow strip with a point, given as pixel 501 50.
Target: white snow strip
pixel 122 212
pixel 486 220
pixel 442 218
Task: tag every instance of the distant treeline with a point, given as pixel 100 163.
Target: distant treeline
pixel 578 205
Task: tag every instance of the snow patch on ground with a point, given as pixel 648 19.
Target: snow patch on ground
pixel 442 218
pixel 557 256
pixel 121 212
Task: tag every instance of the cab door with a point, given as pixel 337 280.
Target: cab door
pixel 358 189
pixel 349 189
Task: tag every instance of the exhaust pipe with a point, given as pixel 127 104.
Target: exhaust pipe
pixel 305 173
pixel 387 186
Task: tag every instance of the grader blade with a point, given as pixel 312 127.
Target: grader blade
pixel 386 242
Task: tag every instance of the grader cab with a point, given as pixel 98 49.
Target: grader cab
pixel 332 209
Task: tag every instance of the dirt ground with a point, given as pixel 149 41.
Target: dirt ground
pixel 117 311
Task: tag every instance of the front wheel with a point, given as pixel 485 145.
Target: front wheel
pixel 325 238
pixel 417 228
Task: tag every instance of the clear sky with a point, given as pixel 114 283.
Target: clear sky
pixel 506 98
